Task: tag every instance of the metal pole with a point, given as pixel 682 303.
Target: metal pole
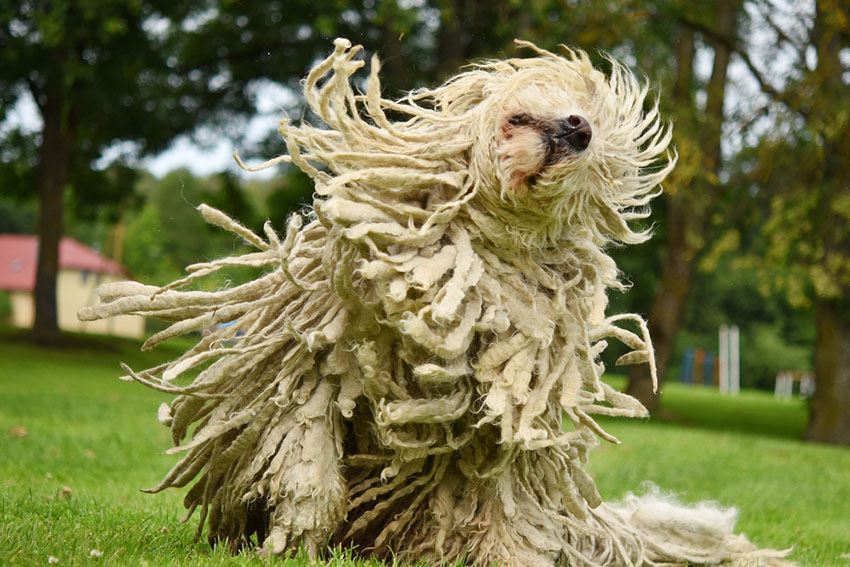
pixel 734 361
pixel 779 388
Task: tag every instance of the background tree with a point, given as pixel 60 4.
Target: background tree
pixel 93 68
pixel 802 165
pixel 167 234
pixel 794 162
pixel 105 73
pixel 830 119
pixel 694 188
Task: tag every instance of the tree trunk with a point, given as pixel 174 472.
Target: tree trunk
pixel 829 419
pixel 393 62
pixel 830 405
pixel 454 37
pixel 54 165
pixel 690 208
pixel 668 304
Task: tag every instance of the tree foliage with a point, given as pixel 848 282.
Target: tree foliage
pixel 792 175
pixel 117 79
pixel 92 68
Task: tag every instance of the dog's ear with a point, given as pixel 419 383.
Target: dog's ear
pixel 466 91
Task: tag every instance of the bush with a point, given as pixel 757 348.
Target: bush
pixel 764 353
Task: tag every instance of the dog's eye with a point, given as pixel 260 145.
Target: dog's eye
pixel 519 120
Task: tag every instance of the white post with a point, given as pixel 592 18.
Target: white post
pixel 806 386
pixel 723 362
pixel 779 389
pixel 734 361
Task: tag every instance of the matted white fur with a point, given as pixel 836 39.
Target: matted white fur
pixel 398 378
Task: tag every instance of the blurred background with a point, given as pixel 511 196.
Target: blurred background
pixel 118 117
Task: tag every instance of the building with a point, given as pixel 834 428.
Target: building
pixel 81 270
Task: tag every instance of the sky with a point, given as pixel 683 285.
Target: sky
pixel 271 99
pixel 184 152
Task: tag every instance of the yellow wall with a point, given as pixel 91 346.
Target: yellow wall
pixel 76 289
pixel 22 312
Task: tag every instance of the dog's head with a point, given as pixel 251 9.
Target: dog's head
pixel 536 150
pixel 560 144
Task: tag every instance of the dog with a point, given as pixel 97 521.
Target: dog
pixel 417 371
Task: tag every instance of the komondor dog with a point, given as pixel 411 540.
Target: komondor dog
pixel 417 370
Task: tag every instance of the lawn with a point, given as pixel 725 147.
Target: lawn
pixel 77 444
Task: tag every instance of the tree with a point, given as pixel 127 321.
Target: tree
pixel 693 189
pixel 809 228
pixel 105 73
pixel 167 234
pixel 830 418
pixel 96 70
pixel 800 170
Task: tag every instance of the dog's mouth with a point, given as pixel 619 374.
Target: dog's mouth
pixel 559 139
pixel 531 146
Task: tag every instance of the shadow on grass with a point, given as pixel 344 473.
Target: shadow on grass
pixel 76 346
pixel 752 412
pixel 66 341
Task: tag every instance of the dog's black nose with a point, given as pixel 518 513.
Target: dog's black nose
pixel 575 132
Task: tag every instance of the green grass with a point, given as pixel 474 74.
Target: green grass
pixel 745 452
pixel 97 436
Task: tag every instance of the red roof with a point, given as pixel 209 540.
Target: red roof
pixel 19 256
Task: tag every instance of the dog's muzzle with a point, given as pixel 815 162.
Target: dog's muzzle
pixel 574 133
